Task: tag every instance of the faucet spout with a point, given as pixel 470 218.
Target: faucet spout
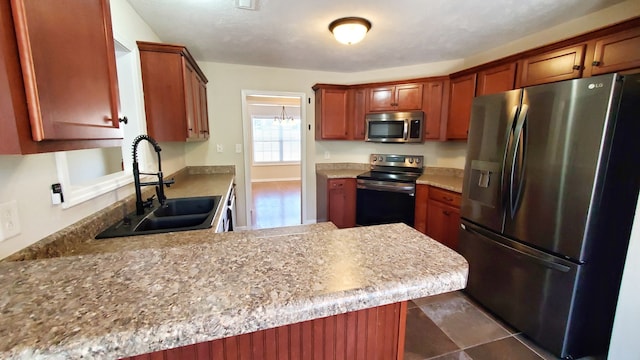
pixel 140 205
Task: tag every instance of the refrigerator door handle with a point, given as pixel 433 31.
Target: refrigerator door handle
pixel 517 161
pixel 531 257
pixel 504 185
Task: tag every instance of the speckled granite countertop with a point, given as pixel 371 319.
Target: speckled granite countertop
pixel 444 178
pixel 111 305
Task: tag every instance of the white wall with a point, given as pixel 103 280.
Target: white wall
pixel 225 118
pixel 27 178
pixel 266 173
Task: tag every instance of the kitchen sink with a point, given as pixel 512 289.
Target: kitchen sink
pixel 179 214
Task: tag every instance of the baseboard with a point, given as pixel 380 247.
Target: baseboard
pixel 310 221
pixel 274 180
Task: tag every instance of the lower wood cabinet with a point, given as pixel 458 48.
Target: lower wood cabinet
pixel 437 214
pixel 375 333
pixel 341 202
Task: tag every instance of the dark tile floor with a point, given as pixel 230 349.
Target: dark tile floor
pixel 451 326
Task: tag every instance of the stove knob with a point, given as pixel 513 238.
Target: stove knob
pixel 410 160
pixel 417 160
pixel 374 158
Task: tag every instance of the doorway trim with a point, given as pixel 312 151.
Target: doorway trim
pixel 246 136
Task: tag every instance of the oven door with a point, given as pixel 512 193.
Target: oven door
pixel 384 202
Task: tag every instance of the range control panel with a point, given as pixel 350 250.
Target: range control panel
pixel 405 161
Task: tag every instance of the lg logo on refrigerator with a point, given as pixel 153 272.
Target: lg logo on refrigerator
pixel 595 86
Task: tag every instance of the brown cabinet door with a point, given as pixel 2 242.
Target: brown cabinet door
pixel 341 202
pixel 174 93
pixel 408 97
pixel 359 97
pixel 617 52
pixel 443 222
pixel 497 79
pixel 553 66
pixel 382 98
pixel 422 199
pixel 69 68
pixel 332 122
pixel 432 107
pixel 461 96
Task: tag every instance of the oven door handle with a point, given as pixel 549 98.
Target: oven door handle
pixel 406 188
pixel 405 131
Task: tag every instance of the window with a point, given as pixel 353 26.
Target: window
pixel 275 142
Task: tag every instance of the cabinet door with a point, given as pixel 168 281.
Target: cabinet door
pixel 443 222
pixel 432 107
pixel 331 114
pixel 359 97
pixel 553 66
pixel 191 100
pixel 341 202
pixel 203 120
pixel 408 97
pixel 69 68
pixel 422 199
pixel 617 52
pixel 497 79
pixel 461 96
pixel 382 98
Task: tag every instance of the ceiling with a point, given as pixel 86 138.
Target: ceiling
pixel 294 34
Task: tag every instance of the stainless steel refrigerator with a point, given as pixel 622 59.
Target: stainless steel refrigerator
pixel 550 187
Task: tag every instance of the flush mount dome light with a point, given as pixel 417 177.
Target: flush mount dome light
pixel 350 30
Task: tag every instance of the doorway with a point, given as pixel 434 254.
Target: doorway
pixel 274 169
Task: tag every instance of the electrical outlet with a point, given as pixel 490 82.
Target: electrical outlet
pixel 9 221
pixel 238 148
pixel 219 148
pixel 327 155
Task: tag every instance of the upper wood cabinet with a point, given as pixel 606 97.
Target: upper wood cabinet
pixel 340 112
pixel 332 108
pixel 174 93
pixel 461 93
pixel 58 76
pixel 563 64
pixel 617 52
pixel 401 97
pixel 496 79
pixel 357 98
pixel 433 99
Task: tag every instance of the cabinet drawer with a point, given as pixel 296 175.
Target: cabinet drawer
pixel 337 183
pixel 444 196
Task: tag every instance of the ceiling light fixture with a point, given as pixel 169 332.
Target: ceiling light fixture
pixel 283 118
pixel 350 30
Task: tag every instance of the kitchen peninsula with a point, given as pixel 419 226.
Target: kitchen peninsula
pixel 119 304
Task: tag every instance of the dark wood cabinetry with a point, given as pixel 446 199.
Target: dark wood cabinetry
pixel 496 79
pixel 434 97
pixel 443 216
pixel 616 52
pixel 340 112
pixel 557 65
pixel 174 93
pixel 400 97
pixel 57 94
pixel 461 95
pixel 332 108
pixel 341 202
pixel 437 214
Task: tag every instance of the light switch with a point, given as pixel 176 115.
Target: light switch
pixel 219 148
pixel 238 148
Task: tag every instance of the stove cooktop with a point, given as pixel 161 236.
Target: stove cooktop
pixel 389 176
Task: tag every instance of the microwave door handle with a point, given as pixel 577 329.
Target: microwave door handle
pixel 405 134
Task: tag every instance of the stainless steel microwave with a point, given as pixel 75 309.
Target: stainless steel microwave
pixel 394 127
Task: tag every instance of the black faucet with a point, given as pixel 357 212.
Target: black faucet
pixel 141 205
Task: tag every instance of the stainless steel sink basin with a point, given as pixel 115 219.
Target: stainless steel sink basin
pixel 180 214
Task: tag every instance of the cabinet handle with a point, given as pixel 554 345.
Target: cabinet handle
pixel 446 213
pixel 596 63
pixel 448 199
pixel 204 131
pixel 123 120
pixel 577 67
